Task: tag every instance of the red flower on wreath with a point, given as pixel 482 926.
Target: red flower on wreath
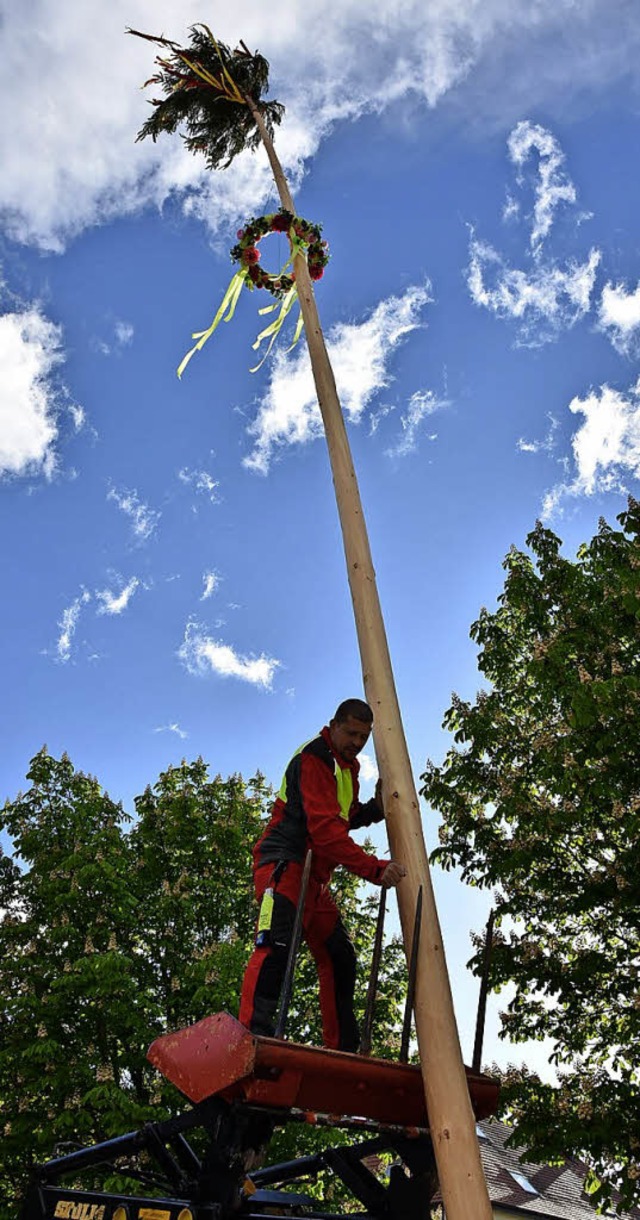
pixel 250 255
pixel 280 223
pixel 316 272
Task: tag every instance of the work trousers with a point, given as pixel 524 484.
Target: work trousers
pixel 329 943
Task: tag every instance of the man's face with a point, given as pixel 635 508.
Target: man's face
pixel 349 737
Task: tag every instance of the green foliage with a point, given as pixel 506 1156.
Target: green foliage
pixel 205 87
pixel 540 799
pixel 108 939
pixel 112 933
pixel 192 846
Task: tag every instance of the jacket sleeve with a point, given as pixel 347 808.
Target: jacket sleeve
pixel 365 815
pixel 328 831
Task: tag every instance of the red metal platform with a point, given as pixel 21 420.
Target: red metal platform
pixel 219 1056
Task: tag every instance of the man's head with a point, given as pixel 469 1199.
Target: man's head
pixel 350 728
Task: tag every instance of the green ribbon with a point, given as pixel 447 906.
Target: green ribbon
pixel 229 303
pixel 297 332
pixel 272 331
pixel 288 301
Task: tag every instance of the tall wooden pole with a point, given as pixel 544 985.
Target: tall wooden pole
pixel 451 1119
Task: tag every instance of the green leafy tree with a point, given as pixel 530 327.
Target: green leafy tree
pixel 113 933
pixel 108 939
pixel 540 799
pixel 65 965
pixel 192 847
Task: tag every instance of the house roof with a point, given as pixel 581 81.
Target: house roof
pixel 557 1189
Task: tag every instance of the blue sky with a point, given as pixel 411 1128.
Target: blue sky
pixel 173 578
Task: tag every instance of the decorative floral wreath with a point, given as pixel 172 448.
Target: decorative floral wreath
pixel 304 238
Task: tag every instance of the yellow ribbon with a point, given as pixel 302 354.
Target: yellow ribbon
pixel 229 302
pixel 230 89
pixel 288 301
pixel 274 328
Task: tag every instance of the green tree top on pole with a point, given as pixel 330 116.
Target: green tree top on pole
pixel 206 88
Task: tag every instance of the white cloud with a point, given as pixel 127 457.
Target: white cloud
pixel 115 603
pixel 619 316
pixel 68 624
pixel 74 90
pixel 124 333
pixel 201 481
pixel 511 209
pixel 422 404
pixel 548 296
pixel 376 416
pixel 143 518
pixel 29 353
pixel 368 769
pixel 289 414
pixel 606 447
pixel 122 337
pixel 542 301
pixel 547 444
pixel 552 501
pixel 172 728
pixel 78 415
pixel 211 580
pixel 200 654
pixel 553 186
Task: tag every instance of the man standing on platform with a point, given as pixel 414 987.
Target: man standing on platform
pixel 316 807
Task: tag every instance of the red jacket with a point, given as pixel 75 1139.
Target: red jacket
pixel 316 807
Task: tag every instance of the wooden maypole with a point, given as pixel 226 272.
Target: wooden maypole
pixel 451 1119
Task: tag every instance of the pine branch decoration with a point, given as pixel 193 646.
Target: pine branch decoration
pixel 206 87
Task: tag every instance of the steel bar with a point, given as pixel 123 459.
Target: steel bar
pixel 186 1155
pixel 106 1152
pixel 157 1147
pixel 367 1025
pixel 411 988
pixel 357 1124
pixel 313 1119
pixel 482 998
pixel 358 1179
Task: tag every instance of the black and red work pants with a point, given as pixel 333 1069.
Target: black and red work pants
pixel 330 946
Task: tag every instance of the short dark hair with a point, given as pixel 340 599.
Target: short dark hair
pixel 356 708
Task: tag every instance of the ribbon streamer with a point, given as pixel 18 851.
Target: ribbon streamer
pixel 288 301
pixel 230 300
